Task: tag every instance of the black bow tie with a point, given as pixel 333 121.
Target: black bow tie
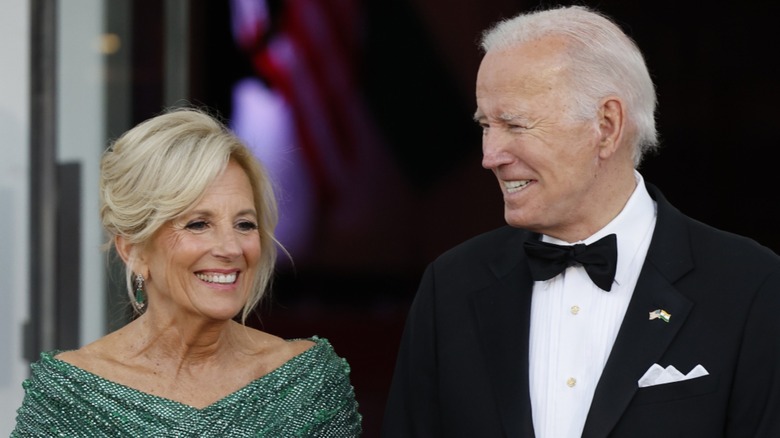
pixel 599 259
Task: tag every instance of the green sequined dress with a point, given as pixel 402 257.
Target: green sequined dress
pixel 308 396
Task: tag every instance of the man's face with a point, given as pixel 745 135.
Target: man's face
pixel 546 160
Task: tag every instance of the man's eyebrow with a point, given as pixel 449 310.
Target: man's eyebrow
pixel 505 117
pixel 478 115
pixel 508 117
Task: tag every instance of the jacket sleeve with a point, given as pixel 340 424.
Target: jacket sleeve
pixel 755 398
pixel 413 407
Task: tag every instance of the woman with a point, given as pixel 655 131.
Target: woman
pixel 191 213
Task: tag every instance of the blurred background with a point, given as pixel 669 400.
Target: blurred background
pixel 361 111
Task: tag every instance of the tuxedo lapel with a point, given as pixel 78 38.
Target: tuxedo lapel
pixel 501 314
pixel 641 342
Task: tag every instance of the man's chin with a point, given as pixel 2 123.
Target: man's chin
pixel 516 220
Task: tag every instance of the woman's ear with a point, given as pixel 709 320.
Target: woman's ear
pixel 131 255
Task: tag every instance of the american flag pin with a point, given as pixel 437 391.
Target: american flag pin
pixel 660 314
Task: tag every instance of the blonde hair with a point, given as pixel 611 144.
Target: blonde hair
pixel 159 169
pixel 603 61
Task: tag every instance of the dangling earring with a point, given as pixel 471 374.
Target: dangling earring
pixel 140 297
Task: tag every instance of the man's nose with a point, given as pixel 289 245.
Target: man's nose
pixel 494 151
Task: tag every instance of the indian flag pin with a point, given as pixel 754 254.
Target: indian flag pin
pixel 660 314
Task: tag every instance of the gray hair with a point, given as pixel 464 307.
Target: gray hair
pixel 603 61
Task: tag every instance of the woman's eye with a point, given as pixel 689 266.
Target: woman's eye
pixel 197 225
pixel 246 226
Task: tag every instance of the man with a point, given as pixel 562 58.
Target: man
pixel 660 326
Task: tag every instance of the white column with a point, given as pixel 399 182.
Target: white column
pixel 14 194
pixel 82 138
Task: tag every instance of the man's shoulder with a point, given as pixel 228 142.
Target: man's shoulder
pixel 489 245
pixel 675 229
pixel 473 263
pixel 708 239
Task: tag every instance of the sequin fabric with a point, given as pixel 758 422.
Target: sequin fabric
pixel 308 396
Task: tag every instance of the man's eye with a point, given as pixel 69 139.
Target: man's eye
pixel 197 225
pixel 246 226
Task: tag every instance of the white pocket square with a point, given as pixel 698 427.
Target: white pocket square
pixel 658 375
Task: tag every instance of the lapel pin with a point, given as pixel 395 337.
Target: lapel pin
pixel 660 314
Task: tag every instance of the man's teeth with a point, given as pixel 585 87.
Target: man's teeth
pixel 218 278
pixel 514 186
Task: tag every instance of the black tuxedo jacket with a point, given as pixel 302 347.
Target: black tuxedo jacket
pixel 462 367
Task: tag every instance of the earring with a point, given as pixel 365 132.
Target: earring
pixel 139 292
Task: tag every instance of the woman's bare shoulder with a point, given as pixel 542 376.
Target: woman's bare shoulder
pixel 275 349
pixel 98 357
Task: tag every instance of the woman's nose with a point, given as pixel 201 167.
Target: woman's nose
pixel 227 244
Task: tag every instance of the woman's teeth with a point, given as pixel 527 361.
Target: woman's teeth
pixel 218 278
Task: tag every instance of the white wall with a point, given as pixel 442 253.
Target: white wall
pixel 81 139
pixel 14 197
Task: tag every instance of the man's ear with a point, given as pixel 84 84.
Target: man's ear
pixel 611 123
pixel 131 255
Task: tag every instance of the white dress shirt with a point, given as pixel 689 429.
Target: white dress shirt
pixel 574 323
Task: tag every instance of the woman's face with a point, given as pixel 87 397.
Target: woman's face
pixel 204 262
